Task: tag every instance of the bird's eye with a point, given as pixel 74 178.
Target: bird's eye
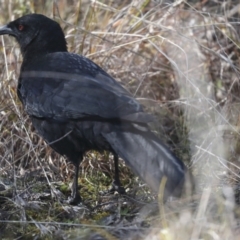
pixel 20 27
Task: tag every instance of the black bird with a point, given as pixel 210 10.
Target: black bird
pixel 76 107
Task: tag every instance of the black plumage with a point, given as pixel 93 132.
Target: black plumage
pixel 76 107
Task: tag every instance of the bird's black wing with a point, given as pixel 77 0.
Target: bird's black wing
pixel 65 86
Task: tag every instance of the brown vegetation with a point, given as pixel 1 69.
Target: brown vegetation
pixel 181 60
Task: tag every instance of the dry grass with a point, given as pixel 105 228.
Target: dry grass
pixel 181 60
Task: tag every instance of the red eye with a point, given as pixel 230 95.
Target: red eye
pixel 20 27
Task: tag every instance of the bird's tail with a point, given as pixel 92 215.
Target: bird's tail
pixel 150 159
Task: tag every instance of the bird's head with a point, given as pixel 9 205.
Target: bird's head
pixel 36 34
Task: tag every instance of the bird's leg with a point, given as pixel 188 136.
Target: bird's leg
pixel 75 199
pixel 116 185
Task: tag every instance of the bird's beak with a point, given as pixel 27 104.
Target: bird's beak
pixel 6 30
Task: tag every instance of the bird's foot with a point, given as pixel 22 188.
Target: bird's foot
pixel 75 199
pixel 116 186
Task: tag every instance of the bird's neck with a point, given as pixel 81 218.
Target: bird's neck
pixel 31 55
pixel 36 48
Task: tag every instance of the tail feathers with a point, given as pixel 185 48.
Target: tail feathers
pixel 150 159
